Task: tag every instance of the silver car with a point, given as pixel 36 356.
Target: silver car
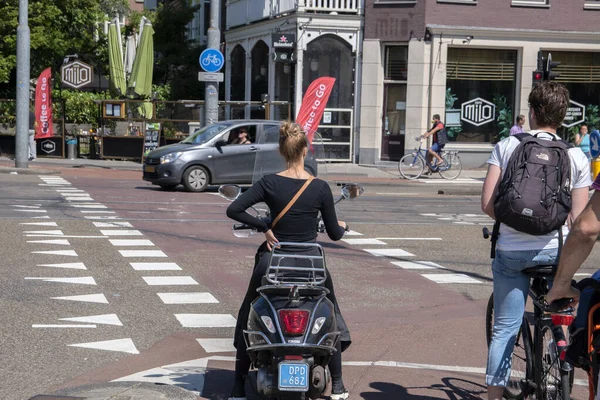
pixel 208 157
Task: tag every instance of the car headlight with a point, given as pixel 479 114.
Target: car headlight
pixel 167 158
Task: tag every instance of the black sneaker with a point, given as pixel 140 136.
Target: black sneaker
pixel 338 391
pixel 238 392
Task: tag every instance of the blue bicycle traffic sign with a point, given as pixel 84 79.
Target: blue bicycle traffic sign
pixel 211 60
pixel 595 143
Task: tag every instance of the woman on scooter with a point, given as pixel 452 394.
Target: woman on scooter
pixel 298 225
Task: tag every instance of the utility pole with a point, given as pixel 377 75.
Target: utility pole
pixel 23 76
pixel 211 89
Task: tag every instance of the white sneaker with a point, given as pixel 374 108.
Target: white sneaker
pixel 341 396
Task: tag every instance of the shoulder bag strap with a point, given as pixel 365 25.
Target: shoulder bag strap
pixel 292 201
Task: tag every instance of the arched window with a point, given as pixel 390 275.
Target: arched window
pixel 238 73
pixel 260 70
pixel 329 55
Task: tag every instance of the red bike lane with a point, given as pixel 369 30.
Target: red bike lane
pixel 412 338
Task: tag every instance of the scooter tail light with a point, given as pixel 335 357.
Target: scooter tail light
pixel 562 320
pixel 268 323
pixel 318 325
pixel 294 358
pixel 293 322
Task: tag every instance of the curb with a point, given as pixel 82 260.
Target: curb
pixel 28 171
pixel 120 390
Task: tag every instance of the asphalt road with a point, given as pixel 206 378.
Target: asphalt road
pixel 147 283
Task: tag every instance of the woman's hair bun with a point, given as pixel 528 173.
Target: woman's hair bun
pixel 290 129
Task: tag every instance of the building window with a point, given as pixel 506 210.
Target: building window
pixel 480 93
pixel 580 73
pixel 396 63
pixel 531 3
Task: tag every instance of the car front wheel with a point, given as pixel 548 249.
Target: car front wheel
pixel 195 179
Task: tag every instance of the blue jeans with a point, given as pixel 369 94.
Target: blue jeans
pixel 510 295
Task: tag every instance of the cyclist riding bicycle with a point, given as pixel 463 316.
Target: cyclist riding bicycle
pixel 516 250
pixel 440 138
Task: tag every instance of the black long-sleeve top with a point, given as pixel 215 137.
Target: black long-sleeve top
pixel 299 224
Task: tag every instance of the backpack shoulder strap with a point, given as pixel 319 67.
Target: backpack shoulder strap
pixel 521 136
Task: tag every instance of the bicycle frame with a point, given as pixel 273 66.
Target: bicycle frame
pixel 420 152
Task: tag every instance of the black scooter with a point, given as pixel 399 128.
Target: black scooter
pixel 292 331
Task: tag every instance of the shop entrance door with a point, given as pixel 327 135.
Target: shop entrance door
pixel 394 122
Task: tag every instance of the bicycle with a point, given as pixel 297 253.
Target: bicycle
pixel 538 365
pixel 211 59
pixel 411 166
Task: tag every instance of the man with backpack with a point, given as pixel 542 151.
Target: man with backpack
pixel 440 138
pixel 534 184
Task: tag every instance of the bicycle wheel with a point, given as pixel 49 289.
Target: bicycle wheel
pixel 411 166
pixel 454 166
pixel 553 382
pixel 522 358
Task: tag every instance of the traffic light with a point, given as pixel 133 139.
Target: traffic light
pixel 548 74
pixel 537 77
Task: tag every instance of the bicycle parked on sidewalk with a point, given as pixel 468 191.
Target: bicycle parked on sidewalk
pixel 412 165
pixel 538 365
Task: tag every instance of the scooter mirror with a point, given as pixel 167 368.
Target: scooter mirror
pixel 352 191
pixel 230 192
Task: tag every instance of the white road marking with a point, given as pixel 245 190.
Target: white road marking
pixel 130 242
pixel 352 233
pixel 63 326
pixel 84 280
pixel 29 206
pixel 48 232
pixel 63 242
pixel 169 280
pixel 364 241
pixel 75 194
pixel 88 205
pixel 79 199
pixel 187 298
pixel 582 274
pixel 389 252
pixel 70 236
pixel 217 345
pixel 104 319
pixel 155 266
pixel 206 320
pixel 112 224
pixel 398 238
pixel 40 223
pixel 122 345
pixel 86 298
pixel 96 212
pixel 124 232
pixel 417 265
pixel 33 211
pixel 451 181
pixel 450 278
pixel 41 217
pixel 69 253
pixel 70 190
pixel 142 253
pixel 76 265
pixel 103 217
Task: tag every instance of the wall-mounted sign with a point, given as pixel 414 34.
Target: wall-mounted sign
pixel 478 111
pixel 452 117
pixel 48 146
pixel 284 57
pixel 284 41
pixel 575 114
pixel 76 74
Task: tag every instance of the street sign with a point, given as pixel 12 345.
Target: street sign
pixel 283 57
pixel 48 146
pixel 211 77
pixel 595 143
pixel 478 111
pixel 211 60
pixel 575 114
pixel 76 74
pixel 285 41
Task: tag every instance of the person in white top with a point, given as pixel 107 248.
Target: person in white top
pixel 515 251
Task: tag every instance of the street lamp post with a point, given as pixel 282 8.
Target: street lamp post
pixel 23 76
pixel 211 89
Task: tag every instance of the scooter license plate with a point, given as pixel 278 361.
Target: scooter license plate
pixel 293 377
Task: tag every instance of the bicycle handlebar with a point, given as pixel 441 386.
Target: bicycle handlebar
pixel 240 227
pixel 486 233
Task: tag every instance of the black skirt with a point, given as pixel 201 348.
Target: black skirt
pixel 261 263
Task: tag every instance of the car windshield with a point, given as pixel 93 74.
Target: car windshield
pixel 205 134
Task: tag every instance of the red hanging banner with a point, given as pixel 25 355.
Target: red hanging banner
pixel 313 105
pixel 43 105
